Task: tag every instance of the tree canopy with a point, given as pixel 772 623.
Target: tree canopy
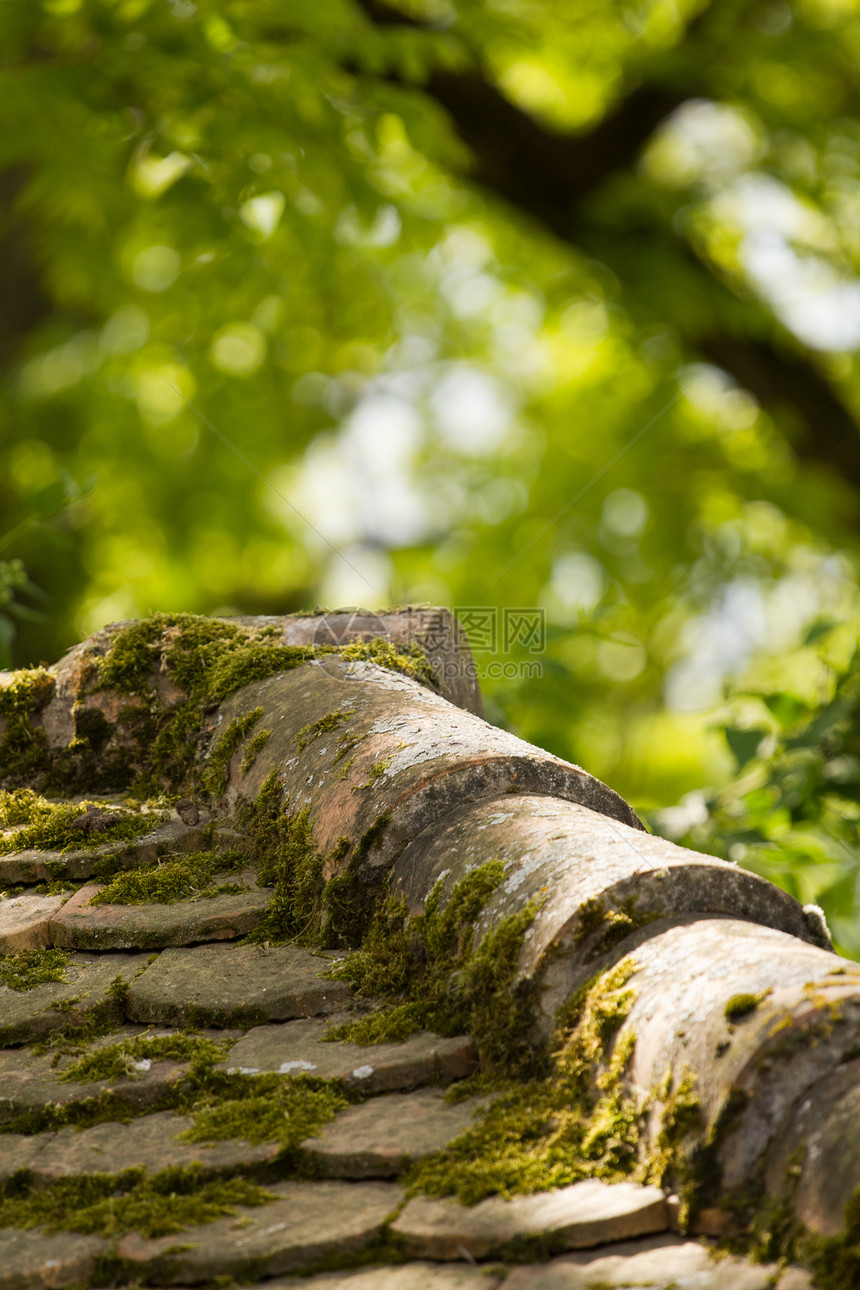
pixel 502 304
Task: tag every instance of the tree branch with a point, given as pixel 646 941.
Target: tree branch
pixel 551 176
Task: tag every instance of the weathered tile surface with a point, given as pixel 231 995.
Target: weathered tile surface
pixel 795 1279
pixel 378 1138
pixel 405 1276
pixel 16 1152
pixel 80 925
pixel 32 1260
pixel 150 1142
pixel 230 985
pixel 25 921
pixel 376 1068
pixel 45 866
pixel 576 1217
pixel 306 1223
pixel 30 1081
pixel 32 1014
pixel 664 1263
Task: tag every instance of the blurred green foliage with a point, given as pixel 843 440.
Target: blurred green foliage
pixel 517 305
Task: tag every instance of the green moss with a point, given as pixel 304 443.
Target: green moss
pixel 29 690
pixel 678 1140
pixel 212 659
pixel 612 924
pixel 283 850
pixel 431 976
pixel 83 1114
pixel 92 729
pixel 83 1027
pixel 741 1005
pixel 214 778
pixel 208 660
pixel 24 753
pixel 574 1123
pixel 253 748
pixel 24 750
pixel 118 1061
pixel 32 967
pixel 66 826
pixel 377 770
pixel 287 860
pixel 19 807
pixel 271 1109
pixel 696 1172
pixel 329 722
pixel 835 1260
pixel 410 659
pixel 345 746
pixel 178 877
pixel 110 1205
pixel 353 895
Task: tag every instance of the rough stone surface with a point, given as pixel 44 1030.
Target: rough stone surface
pixel 565 854
pixel 77 865
pixel 795 1279
pixel 400 753
pixel 80 925
pixel 32 1260
pixel 25 921
pixel 437 629
pixel 306 1223
pixel 588 1213
pixel 296 1049
pixel 30 1081
pixel 32 1014
pixel 406 1276
pixel 665 1263
pixel 378 1138
pixel 151 1143
pixel 233 985
pixel 686 976
pixel 827 1123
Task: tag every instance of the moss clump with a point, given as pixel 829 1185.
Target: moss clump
pixel 345 746
pixel 253 748
pixel 211 659
pixel 612 924
pixel 28 691
pixel 678 1140
pixel 214 778
pixel 410 658
pixel 270 1109
pixel 23 748
pixel 83 1027
pixel 282 847
pixel 20 807
pixel 29 968
pixel 208 660
pixel 835 1260
pixel 575 1123
pixel 353 896
pixel 741 1005
pixel 106 1106
pixel 179 877
pixel 431 976
pixel 376 772
pixel 329 722
pixel 66 826
pixel 122 1060
pixel 110 1205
